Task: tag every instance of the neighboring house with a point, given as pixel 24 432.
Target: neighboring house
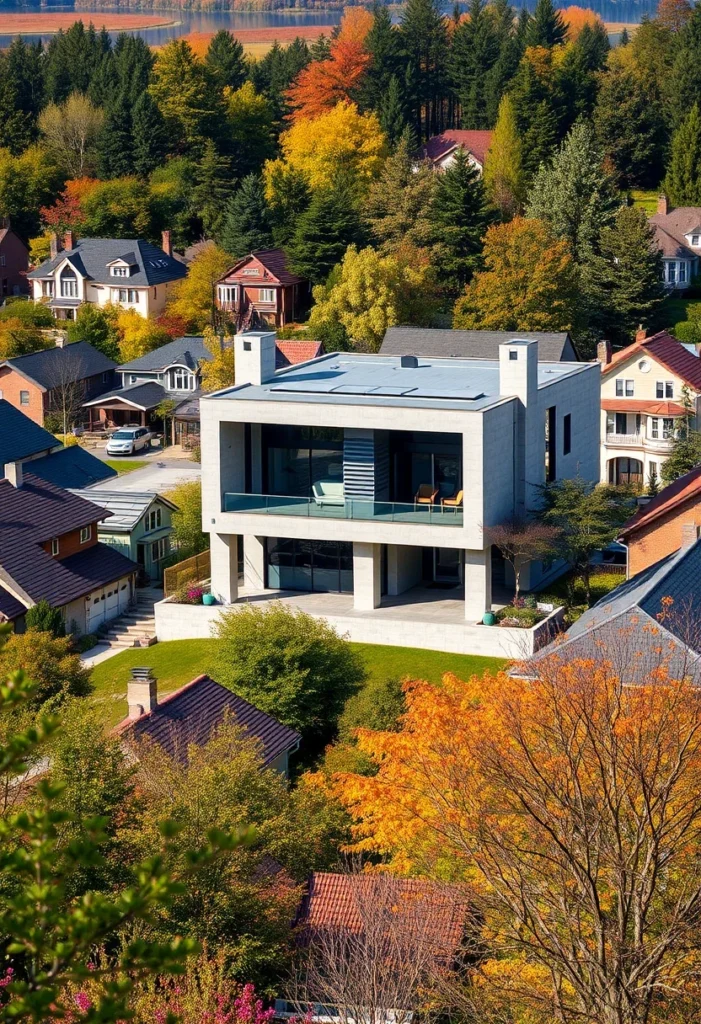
pixel 650 620
pixel 22 440
pixel 443 344
pixel 49 549
pixel 260 290
pixel 56 379
pixel 14 262
pixel 440 149
pixel 139 526
pixel 657 529
pixel 641 405
pixel 169 372
pixel 373 476
pixel 191 715
pixel 678 236
pixel 126 272
pixel 292 352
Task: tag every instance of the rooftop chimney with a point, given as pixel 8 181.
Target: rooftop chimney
pixel 690 534
pixel 142 692
pixel 662 205
pixel 603 352
pixel 13 472
pixel 640 334
pixel 518 378
pixel 254 357
pixel 68 240
pixel 60 340
pixel 166 243
pixel 54 246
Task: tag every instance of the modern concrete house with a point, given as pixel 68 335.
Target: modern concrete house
pixel 373 480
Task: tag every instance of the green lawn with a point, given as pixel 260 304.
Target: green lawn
pixel 125 465
pixel 176 662
pixel 645 199
pixel 601 584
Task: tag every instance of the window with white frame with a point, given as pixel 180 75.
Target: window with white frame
pixel 133 295
pixel 85 533
pixel 55 547
pixel 671 271
pixel 682 272
pixel 625 388
pixel 24 398
pixel 119 271
pixel 159 549
pixel 180 379
pixel 228 293
pixel 695 239
pixel 664 389
pixel 69 284
pixel 47 288
pixel 267 294
pixel 153 520
pixel 667 428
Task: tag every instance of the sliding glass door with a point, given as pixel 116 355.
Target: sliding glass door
pixel 310 565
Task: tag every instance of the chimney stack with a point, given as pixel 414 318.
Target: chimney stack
pixel 640 334
pixel 254 357
pixel 60 340
pixel 603 352
pixel 13 473
pixel 690 534
pixel 662 205
pixel 142 692
pixel 166 243
pixel 54 247
pixel 68 240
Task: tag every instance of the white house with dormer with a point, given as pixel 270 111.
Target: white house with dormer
pixel 126 272
pixel 678 236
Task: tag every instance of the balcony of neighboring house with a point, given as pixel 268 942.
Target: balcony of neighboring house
pixel 648 430
pixel 336 474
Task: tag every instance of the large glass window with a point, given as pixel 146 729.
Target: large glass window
pixel 426 459
pixel 322 566
pixel 69 284
pixel 299 457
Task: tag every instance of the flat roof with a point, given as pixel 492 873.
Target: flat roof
pixel 356 379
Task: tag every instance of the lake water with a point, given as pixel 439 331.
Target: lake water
pixel 631 11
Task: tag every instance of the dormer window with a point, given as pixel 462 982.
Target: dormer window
pixel 180 379
pixel 119 271
pixel 69 284
pixel 695 241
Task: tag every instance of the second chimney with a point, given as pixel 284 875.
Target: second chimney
pixel 53 245
pixel 13 473
pixel 68 240
pixel 640 334
pixel 690 534
pixel 142 692
pixel 166 243
pixel 662 205
pixel 603 352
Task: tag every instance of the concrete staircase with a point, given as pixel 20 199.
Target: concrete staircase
pixel 137 627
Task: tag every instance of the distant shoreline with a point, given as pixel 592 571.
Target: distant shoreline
pixel 47 22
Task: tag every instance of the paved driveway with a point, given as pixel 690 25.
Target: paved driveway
pixel 158 476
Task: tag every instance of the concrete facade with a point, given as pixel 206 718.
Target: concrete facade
pixel 502 441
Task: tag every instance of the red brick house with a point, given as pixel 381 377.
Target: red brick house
pixel 657 529
pixel 14 262
pixel 259 290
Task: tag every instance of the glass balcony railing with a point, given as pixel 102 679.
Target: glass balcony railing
pixel 345 508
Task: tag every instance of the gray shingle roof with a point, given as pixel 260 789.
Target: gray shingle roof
pixel 21 437
pixel 72 467
pixel 127 507
pixel 421 341
pixel 91 256
pixel 56 366
pixel 190 716
pixel 142 396
pixel 187 351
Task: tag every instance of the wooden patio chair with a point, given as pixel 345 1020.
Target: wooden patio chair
pixel 455 502
pixel 426 495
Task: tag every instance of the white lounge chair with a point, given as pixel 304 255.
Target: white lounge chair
pixel 328 492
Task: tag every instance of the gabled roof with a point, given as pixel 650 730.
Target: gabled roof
pixel 91 257
pixel 675 225
pixel 685 488
pixel 126 508
pixel 188 351
pixel 54 366
pixel 672 247
pixel 21 437
pixel 192 714
pixel 667 351
pixel 273 261
pixel 72 467
pixel 141 396
pixel 439 146
pixel 291 352
pixel 5 232
pixel 553 347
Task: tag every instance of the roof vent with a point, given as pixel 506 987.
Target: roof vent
pixel 408 362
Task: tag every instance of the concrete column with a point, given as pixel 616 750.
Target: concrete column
pixel 367 576
pixel 254 562
pixel 224 555
pixel 478 584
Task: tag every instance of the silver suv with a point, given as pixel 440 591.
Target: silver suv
pixel 128 440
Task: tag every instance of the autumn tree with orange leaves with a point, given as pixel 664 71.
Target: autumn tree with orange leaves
pixel 322 84
pixel 569 805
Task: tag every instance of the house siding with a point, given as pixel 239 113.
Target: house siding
pixel 661 537
pixel 12 383
pixel 70 544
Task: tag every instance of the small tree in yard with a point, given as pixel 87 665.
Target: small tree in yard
pixel 521 541
pixel 295 667
pixel 165 411
pixel 686 445
pixel 45 619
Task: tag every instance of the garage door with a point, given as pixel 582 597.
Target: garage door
pixel 107 603
pixel 95 611
pixel 124 595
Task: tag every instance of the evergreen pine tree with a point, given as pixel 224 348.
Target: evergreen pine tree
pixel 425 43
pixel 320 48
pixel 536 117
pixel 149 135
pixel 287 201
pixel 392 120
pixel 133 63
pixel 383 43
pixel 630 124
pixel 460 213
pixel 21 94
pixel 104 84
pixel 115 146
pixel 499 76
pixel 546 27
pixel 524 20
pixel 624 38
pixel 683 178
pixel 323 233
pixel 474 51
pixel 503 169
pixel 226 59
pixel 398 207
pixel 684 86
pixel 213 189
pixel 246 224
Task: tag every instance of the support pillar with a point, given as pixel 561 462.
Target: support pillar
pixel 253 562
pixel 478 584
pixel 224 555
pixel 367 576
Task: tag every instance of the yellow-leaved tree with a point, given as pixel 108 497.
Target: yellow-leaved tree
pixel 193 297
pixel 217 372
pixel 138 335
pixel 341 140
pixel 569 806
pixel 367 293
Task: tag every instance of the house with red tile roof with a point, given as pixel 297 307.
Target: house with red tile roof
pixel 662 525
pixel 440 149
pixel 678 236
pixel 260 291
pixel 643 389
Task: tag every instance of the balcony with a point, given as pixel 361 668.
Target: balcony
pixel 343 508
pixel 662 445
